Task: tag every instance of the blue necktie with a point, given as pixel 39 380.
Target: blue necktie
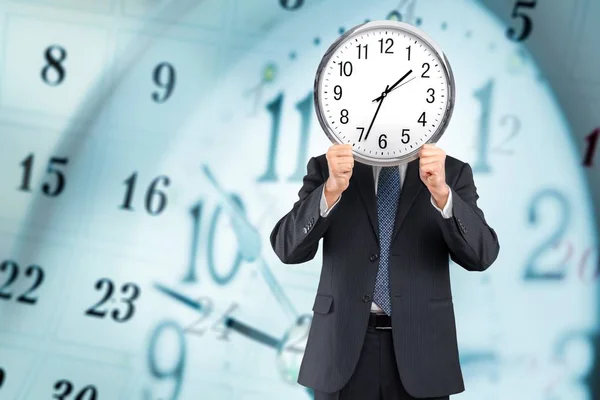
pixel 388 193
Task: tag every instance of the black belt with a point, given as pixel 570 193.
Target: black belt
pixel 380 321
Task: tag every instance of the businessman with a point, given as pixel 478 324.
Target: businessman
pixel 383 324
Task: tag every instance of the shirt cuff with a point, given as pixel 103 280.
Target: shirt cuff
pixel 447 211
pixel 324 210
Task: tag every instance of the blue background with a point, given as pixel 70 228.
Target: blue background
pixel 148 147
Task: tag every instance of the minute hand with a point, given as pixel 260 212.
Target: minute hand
pixel 399 81
pixel 376 112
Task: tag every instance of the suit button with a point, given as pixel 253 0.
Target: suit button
pixel 374 257
pixel 366 298
pixel 305 230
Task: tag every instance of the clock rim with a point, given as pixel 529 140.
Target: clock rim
pixel 447 69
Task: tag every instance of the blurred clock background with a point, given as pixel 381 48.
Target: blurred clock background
pixel 148 147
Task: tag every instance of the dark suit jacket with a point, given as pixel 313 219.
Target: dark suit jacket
pixel 424 331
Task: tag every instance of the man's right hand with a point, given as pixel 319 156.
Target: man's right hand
pixel 340 162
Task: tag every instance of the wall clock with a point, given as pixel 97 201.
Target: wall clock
pixel 386 88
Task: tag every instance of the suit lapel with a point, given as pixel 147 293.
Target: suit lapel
pixel 410 189
pixel 362 175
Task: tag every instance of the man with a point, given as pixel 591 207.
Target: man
pixel 383 324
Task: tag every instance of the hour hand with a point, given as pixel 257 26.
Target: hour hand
pixel 394 86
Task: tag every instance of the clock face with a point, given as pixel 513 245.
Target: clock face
pixel 385 88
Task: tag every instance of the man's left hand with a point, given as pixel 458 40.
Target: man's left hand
pixel 432 170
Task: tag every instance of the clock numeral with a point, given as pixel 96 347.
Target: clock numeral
pixel 53 73
pixel 592 140
pixel 383 141
pixel 2 377
pixel 532 269
pixel 431 97
pixel 345 68
pixel 585 376
pixel 422 120
pixel 389 42
pixel 53 168
pixel 405 136
pixel 365 47
pixel 176 348
pixel 304 107
pixel 362 130
pixel 164 82
pixel 130 292
pixel 337 90
pixel 217 277
pixel 12 269
pixel 291 4
pixel 64 388
pixel 484 95
pixel 527 22
pixel 408 48
pixel 156 200
pixel 426 66
pixel 344 116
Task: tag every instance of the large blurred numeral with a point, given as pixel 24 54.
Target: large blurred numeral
pixel 592 380
pixel 570 351
pixel 304 107
pixel 175 373
pixel 532 270
pixel 592 140
pixel 210 251
pixel 54 73
pixel 2 377
pixel 164 77
pixel 64 388
pixel 196 212
pixel 53 168
pixel 291 4
pixel 485 96
pixel 527 24
pixel 156 200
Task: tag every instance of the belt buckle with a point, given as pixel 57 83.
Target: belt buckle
pixel 383 327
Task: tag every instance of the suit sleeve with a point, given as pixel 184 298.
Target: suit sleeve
pixel 473 244
pixel 295 237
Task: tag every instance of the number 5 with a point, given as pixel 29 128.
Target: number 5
pixel 527 23
pixel 60 178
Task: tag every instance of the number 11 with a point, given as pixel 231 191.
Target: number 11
pixel 304 107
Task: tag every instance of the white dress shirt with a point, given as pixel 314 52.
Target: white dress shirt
pixel 446 212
